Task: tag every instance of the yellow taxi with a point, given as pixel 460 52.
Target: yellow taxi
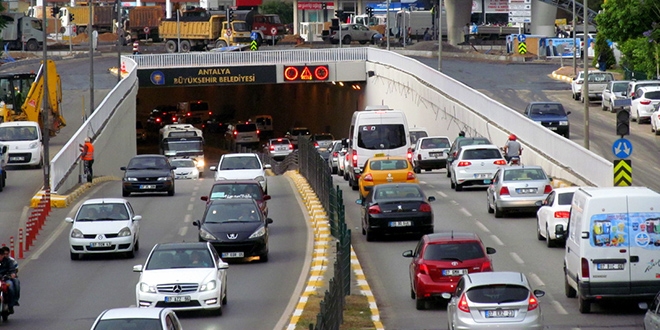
pixel 385 169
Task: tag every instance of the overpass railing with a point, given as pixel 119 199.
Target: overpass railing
pixel 201 59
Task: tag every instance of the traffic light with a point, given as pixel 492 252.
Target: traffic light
pixel 369 11
pixel 55 12
pixel 340 14
pixel 324 6
pixel 70 18
pixel 622 123
pixel 230 15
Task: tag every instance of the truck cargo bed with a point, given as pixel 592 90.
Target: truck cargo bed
pixel 208 30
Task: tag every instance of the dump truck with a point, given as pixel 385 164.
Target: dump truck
pixel 143 22
pixel 104 18
pixel 21 30
pixel 202 33
pixel 264 25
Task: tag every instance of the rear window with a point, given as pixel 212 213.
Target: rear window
pixel 498 293
pixel 435 143
pixel 416 135
pixel 600 77
pixel 323 137
pixel 524 174
pixel 655 95
pixel 482 154
pixel 392 192
pixel 246 128
pixel 565 198
pixel 182 162
pixel 388 165
pixel 280 141
pixel 377 137
pixel 467 142
pixel 455 251
pixel 128 323
pixel 240 163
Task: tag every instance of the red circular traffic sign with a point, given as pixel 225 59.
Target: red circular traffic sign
pixel 146 29
pixel 228 32
pixel 273 30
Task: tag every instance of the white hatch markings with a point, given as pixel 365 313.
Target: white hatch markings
pixel 194 193
pixel 183 231
pixel 422 182
pixel 559 308
pixel 466 212
pixel 497 240
pixel 430 186
pixel 187 218
pixel 536 279
pixel 454 202
pixel 482 226
pixel 441 193
pixel 190 207
pixel 517 258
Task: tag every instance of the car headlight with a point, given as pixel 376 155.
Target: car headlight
pixel 204 234
pixel 260 178
pixel 200 163
pixel 208 286
pixel 260 232
pixel 130 179
pixel 32 145
pixel 76 233
pixel 125 232
pixel 563 123
pixel 164 178
pixel 144 287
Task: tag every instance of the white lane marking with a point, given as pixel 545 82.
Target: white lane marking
pixel 192 199
pixel 187 218
pixel 482 226
pixel 196 187
pixel 190 207
pixel 466 212
pixel 454 202
pixel 657 169
pixel 517 258
pixel 430 186
pixel 183 231
pixel 535 278
pixel 560 309
pixel 445 195
pixel 194 193
pixel 497 240
pixel 422 182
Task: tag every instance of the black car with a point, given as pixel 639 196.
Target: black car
pixel 396 208
pixel 148 173
pixel 236 228
pixel 458 143
pixel 550 115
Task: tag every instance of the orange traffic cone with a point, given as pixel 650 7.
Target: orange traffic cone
pixel 123 68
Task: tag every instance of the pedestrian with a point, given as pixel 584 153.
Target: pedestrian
pixel 88 157
pixel 602 61
pixel 466 33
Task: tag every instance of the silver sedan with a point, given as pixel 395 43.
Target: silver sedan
pixel 517 188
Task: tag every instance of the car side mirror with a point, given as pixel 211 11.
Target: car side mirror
pixel 568 113
pixel 539 203
pixel 137 217
pixel 137 268
pixel 123 168
pixel 407 254
pixel 490 250
pixel 266 197
pixel 539 293
pixel 223 265
pixel 269 220
pixel 213 168
pixel 68 219
pixel 358 201
pixel 431 199
pixel 4 149
pixel 267 167
pixel 204 198
pixel 196 223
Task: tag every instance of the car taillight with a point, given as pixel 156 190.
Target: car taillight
pixel 500 162
pixel 463 304
pixel 409 154
pixel 645 102
pixel 410 176
pixel 374 209
pixel 210 113
pixel 158 120
pixel 272 147
pixel 316 144
pixel 532 302
pixel 188 114
pixel 368 177
pixel 425 207
pixel 547 189
pixel 335 154
pixel 463 163
pixel 258 132
pixel 423 269
pixel 174 119
pixel 562 214
pixel 290 146
pixel 585 268
pixel 504 191
pixel 235 132
pixel 355 158
pixel 487 266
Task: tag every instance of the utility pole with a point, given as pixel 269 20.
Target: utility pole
pixel 119 37
pixel 45 108
pixel 585 84
pixel 574 42
pixel 387 25
pixel 440 36
pixel 90 37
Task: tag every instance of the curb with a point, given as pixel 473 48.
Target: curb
pixel 559 183
pixel 62 201
pixel 320 257
pixel 561 77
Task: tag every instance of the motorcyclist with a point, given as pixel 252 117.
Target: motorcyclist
pixel 8 269
pixel 16 282
pixel 512 148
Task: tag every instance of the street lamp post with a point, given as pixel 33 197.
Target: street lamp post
pixel 574 42
pixel 90 37
pixel 119 42
pixel 440 35
pixel 585 84
pixel 45 127
pixel 387 25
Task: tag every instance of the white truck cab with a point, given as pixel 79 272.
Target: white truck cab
pixel 24 143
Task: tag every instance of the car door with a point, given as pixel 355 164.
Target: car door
pixel 652 318
pixel 492 187
pixel 607 94
pixel 220 274
pixel 135 225
pixel 414 264
pixel 546 211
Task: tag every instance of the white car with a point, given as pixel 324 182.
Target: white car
pixel 615 90
pixel 655 120
pixel 137 318
pixel 552 216
pixel 430 153
pixel 415 134
pixel 104 225
pixel 278 148
pixel 23 139
pixel 246 133
pixel 475 165
pixel 182 276
pixel 186 168
pixel 242 166
pixel 643 103
pixel 577 83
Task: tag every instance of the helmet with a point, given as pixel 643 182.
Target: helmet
pixel 461 133
pixel 512 137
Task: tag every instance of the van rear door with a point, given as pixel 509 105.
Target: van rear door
pixel 644 234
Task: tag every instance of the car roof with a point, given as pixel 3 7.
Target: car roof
pixel 180 245
pixel 389 185
pixel 545 102
pixel 104 201
pixel 473 138
pixel 148 156
pixel 388 158
pixel 434 137
pixel 242 154
pixel 479 146
pixel 563 190
pixel 417 129
pixel 477 279
pixel 133 312
pixel 452 235
pixel 522 167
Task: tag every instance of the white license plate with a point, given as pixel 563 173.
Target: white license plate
pixel 609 266
pixel 177 299
pixel 500 313
pixel 435 154
pixel 17 158
pixel 233 254
pixel 526 190
pixel 148 186
pixel 400 223
pixel 553 128
pixel 282 148
pixel 482 175
pixel 100 244
pixel 454 272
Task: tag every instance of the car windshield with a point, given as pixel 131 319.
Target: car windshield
pixel 180 258
pixel 435 143
pixel 497 293
pixel 16 133
pixel 232 212
pixel 183 163
pixel 240 163
pixel 128 324
pixel 397 192
pixel 147 163
pixel 455 251
pixel 102 212
pixel 486 153
pixel 323 137
pixel 237 190
pixel 547 110
pixel 416 135
pixel 524 174
pixel 565 198
pixel 377 137
pixel 301 131
pixel 388 165
pixel 178 145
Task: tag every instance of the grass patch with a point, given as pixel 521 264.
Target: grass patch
pixel 357 315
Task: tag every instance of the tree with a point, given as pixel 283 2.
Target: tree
pixel 283 9
pixel 3 21
pixel 601 46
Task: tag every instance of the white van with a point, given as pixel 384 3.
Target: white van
pixel 377 129
pixel 613 244
pixel 24 143
pixel 264 123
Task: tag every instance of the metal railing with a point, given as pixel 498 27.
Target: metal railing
pixel 567 5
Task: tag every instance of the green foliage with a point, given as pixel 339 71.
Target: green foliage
pixel 621 20
pixel 283 9
pixel 601 47
pixel 638 55
pixel 3 22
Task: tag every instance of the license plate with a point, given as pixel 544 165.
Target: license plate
pixel 609 266
pixel 454 272
pixel 400 223
pixel 435 154
pixel 482 175
pixel 282 148
pixel 17 158
pixel 177 299
pixel 148 186
pixel 500 313
pixel 526 190
pixel 553 128
pixel 100 244
pixel 233 254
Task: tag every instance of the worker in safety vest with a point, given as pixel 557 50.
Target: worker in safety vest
pixel 88 157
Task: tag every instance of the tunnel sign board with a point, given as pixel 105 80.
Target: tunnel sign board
pixel 306 73
pixel 208 76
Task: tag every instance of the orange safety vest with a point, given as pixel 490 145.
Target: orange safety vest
pixel 88 151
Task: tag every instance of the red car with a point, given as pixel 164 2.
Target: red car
pixel 226 189
pixel 439 261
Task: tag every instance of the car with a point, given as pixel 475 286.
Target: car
pixel 475 165
pixel 162 115
pixel 140 131
pixel 186 168
pixel 354 32
pixel 241 166
pixel 652 316
pixel 238 189
pixel 598 81
pixel 396 208
pixel 460 142
pixel 246 134
pixel 385 169
pixel 295 133
pixel 615 91
pixel 416 133
pixel 430 153
pixel 334 153
pixel 236 228
pixel 552 216
pixel 440 259
pixel 643 103
pixel 104 225
pixel 655 120
pixel 24 143
pixel 322 142
pixel 503 300
pixel 137 318
pixel 636 84
pixel 517 188
pixel 341 158
pixel 148 173
pixel 550 115
pixel 279 148
pixel 182 276
pixel 576 83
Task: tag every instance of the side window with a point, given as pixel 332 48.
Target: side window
pixel 216 257
pixel 418 248
pixel 460 287
pixel 550 199
pixel 496 178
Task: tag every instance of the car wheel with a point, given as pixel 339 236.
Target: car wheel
pixel 602 106
pixel 334 170
pixel 459 187
pixel 263 257
pixel 354 185
pixel 345 176
pixel 448 173
pixel 498 212
pixel 568 289
pixel 538 230
pixel 420 304
pixel 412 293
pixel 548 242
pixel 633 118
pixel 490 209
pixel 171 192
pixel 639 120
pixel 452 185
pixel 370 235
pixel 224 299
pixel 417 170
pixel 74 256
pixel 125 193
pixel 137 245
pixel 567 135
pixel 130 254
pixel 657 132
pixel 218 311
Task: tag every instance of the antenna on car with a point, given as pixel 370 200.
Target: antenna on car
pixel 452 234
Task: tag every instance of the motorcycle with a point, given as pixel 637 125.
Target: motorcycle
pixel 515 160
pixel 4 302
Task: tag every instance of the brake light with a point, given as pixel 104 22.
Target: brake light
pixel 645 102
pixel 290 146
pixel 463 304
pixel 272 147
pixel 279 140
pixel 504 191
pixel 487 266
pixel 464 163
pixel 423 269
pixel 410 176
pixel 173 119
pixel 210 113
pixel 335 154
pixel 500 162
pixel 409 154
pixel 419 156
pixel 316 144
pixel 235 132
pixel 368 177
pixel 374 209
pixel 532 302
pixel 188 114
pixel 548 189
pixel 425 207
pixel 355 158
pixel 257 131
pixel 585 268
pixel 562 214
